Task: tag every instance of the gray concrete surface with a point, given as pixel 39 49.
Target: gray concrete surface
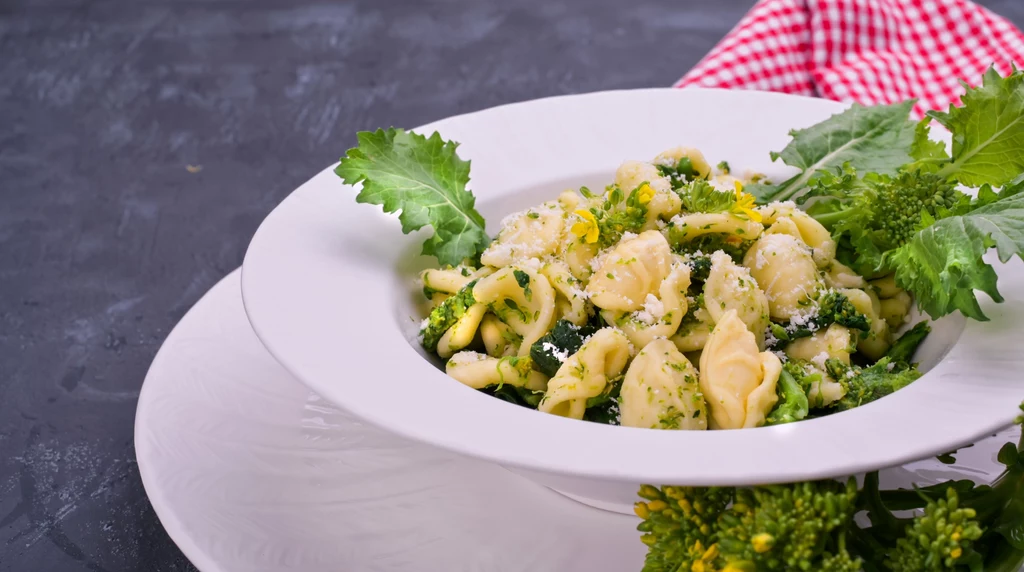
pixel 141 143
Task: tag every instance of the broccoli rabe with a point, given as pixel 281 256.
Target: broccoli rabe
pixel 444 316
pixel 903 349
pixel 892 372
pixel 604 408
pixel 956 525
pixel 793 404
pixel 620 213
pixel 700 269
pixel 937 538
pixel 564 339
pixel 787 527
pixel 874 214
pixel 680 525
pixel 515 394
pixel 679 174
pixel 830 307
pixel 835 308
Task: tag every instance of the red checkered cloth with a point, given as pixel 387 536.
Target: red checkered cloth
pixel 865 51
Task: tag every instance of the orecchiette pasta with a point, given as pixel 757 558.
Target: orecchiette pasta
pixel 737 380
pixel 671 157
pixel 798 225
pixel 839 275
pixel 631 271
pixel 632 174
pixel 836 342
pixel 522 298
pixel 689 226
pixel 663 206
pixel 730 287
pixel 451 280
pixel 895 310
pixel 479 371
pixel 692 336
pixel 600 304
pixel 462 333
pixel 782 265
pixel 499 339
pixel 660 315
pixel 894 302
pixel 534 233
pixel 662 391
pixel 877 341
pixel 586 373
pixel 571 300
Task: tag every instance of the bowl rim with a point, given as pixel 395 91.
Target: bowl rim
pixel 294 289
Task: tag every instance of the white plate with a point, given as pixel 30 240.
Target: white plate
pixel 250 472
pixel 328 287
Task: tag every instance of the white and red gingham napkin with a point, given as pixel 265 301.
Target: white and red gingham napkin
pixel 865 51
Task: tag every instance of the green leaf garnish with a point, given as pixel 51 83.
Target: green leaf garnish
pixel 424 179
pixel 988 131
pixel 942 264
pixel 871 139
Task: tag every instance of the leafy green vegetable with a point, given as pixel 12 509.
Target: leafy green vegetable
pixel 679 174
pixel 604 408
pixel 874 139
pixel 701 197
pixel 877 213
pixel 942 264
pixel 960 525
pixel 563 340
pixel 903 349
pixel 988 131
pixel 892 372
pixel 928 154
pixel 523 279
pixel 515 394
pixel 424 179
pixel 793 404
pixel 444 316
pixel 830 307
pixel 619 215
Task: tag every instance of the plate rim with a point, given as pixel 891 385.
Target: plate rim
pixel 169 519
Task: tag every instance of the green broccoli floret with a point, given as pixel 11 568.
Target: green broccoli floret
pixel 878 213
pixel 830 307
pixel 444 316
pixel 902 350
pixel 937 539
pixel 679 174
pixel 835 308
pixel 679 526
pixel 619 214
pixel 564 339
pixel 786 527
pixel 793 404
pixel 892 372
pixel 957 526
pixel 700 269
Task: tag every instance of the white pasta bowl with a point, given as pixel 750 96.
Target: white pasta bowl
pixel 329 287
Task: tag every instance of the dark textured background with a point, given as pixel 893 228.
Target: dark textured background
pixel 141 143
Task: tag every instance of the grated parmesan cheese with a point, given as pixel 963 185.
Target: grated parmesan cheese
pixel 819 360
pixel 560 355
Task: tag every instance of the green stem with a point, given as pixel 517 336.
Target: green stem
pixel 830 219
